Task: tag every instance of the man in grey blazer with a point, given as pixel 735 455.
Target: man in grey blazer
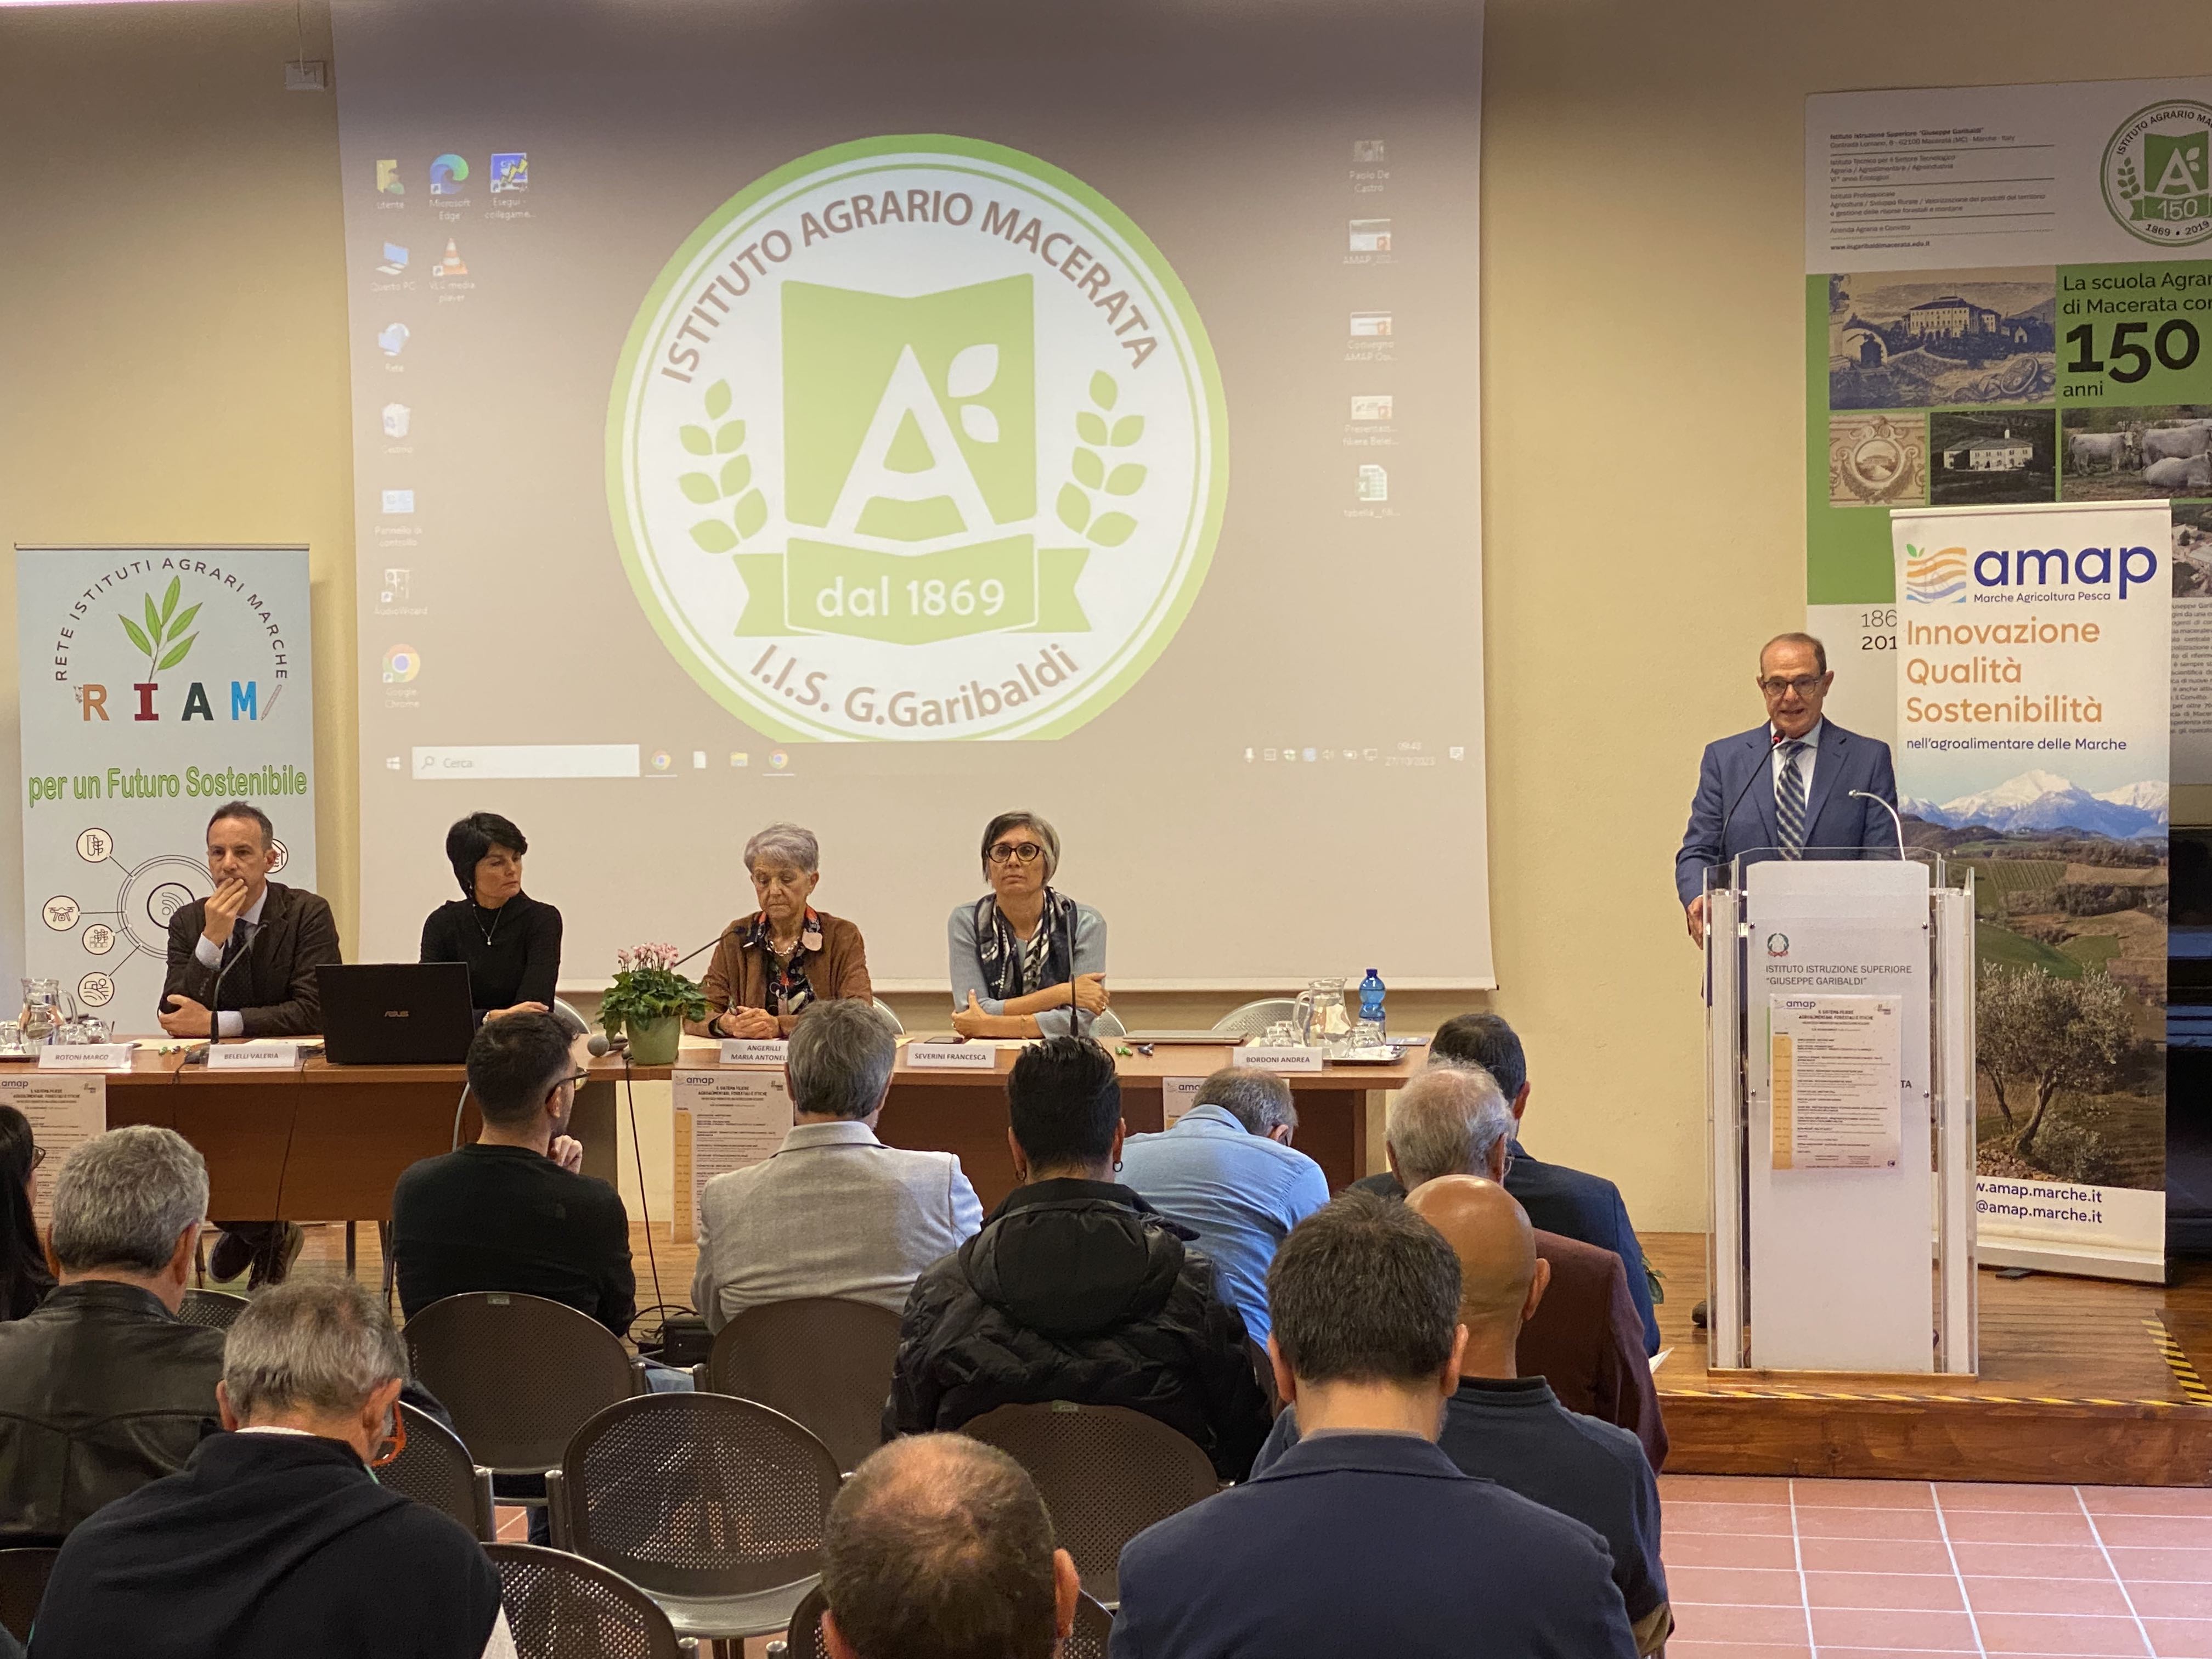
pixel 835 1212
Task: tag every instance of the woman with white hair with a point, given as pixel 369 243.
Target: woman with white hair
pixel 1026 959
pixel 770 966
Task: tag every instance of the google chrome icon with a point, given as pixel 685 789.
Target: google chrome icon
pixel 447 174
pixel 401 664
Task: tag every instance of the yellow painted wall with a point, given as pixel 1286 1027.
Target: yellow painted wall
pixel 172 367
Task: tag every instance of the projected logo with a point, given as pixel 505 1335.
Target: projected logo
pixel 917 438
pixel 1935 575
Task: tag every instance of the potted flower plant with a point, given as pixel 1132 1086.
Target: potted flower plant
pixel 650 1000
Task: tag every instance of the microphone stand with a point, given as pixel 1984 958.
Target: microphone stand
pixel 1866 794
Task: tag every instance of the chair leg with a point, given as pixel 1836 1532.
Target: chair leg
pixel 350 1246
pixel 384 1247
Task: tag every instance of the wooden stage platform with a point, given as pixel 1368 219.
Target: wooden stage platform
pixel 2082 1381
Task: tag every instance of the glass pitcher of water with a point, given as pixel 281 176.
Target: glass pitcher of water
pixel 1324 1017
pixel 46 1005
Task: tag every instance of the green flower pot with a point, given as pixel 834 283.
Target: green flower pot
pixel 653 1041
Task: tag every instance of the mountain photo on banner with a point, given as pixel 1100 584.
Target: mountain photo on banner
pixel 2070 902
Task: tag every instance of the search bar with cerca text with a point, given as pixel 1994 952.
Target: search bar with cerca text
pixel 470 763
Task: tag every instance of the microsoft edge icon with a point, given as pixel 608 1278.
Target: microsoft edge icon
pixel 448 173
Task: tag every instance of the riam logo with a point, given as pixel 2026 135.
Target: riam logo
pixel 164 634
pixel 2158 173
pixel 917 438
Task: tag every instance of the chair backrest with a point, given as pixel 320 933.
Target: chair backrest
pixel 1094 1628
pixel 1104 1024
pixel 436 1469
pixel 822 1361
pixel 1106 1473
pixel 23 1586
pixel 885 1009
pixel 698 1495
pixel 1254 1018
pixel 519 1374
pixel 217 1310
pixel 561 1606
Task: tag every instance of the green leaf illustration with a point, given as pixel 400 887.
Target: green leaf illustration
pixel 697 440
pixel 184 621
pixel 730 437
pixel 1090 427
pixel 137 638
pixel 169 599
pixel 1112 529
pixel 1127 430
pixel 177 655
pixel 700 488
pixel 737 473
pixel 751 513
pixel 153 621
pixel 1074 507
pixel 1102 391
pixel 1090 470
pixel 1125 480
pixel 714 535
pixel 718 400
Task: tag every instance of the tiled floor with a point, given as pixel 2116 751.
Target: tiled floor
pixel 1763 1568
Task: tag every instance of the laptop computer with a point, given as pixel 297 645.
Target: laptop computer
pixel 396 1013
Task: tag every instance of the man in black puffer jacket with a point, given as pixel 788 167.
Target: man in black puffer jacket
pixel 1076 1288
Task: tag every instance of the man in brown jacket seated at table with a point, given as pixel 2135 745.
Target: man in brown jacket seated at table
pixel 1586 1338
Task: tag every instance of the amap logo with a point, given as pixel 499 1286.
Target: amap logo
pixel 2157 174
pixel 917 438
pixel 1933 575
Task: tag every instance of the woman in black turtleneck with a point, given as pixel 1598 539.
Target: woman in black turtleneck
pixel 511 942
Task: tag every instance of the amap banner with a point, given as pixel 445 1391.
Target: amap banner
pixel 157 683
pixel 2032 696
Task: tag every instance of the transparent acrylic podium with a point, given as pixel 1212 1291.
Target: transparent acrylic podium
pixel 1842 1229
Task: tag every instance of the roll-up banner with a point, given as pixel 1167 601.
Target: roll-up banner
pixel 2034 692
pixel 158 683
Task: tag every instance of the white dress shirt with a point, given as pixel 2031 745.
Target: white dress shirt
pixel 230 1022
pixel 1806 757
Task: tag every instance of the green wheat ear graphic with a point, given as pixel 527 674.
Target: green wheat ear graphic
pixel 163 638
pixel 734 478
pixel 1074 505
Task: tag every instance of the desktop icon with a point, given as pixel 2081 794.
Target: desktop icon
pixel 398 501
pixel 1370 325
pixel 392 762
pixel 451 265
pixel 401 664
pixel 660 760
pixel 510 172
pixel 1308 756
pixel 1366 409
pixel 1267 754
pixel 777 760
pixel 1368 152
pixel 397 419
pixel 448 175
pixel 387 180
pixel 739 757
pixel 1374 483
pixel 399 584
pixel 395 260
pixel 1457 751
pixel 1367 236
pixel 392 339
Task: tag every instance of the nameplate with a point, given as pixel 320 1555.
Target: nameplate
pixel 952 1056
pixel 252 1056
pixel 755 1051
pixel 85 1057
pixel 1282 1058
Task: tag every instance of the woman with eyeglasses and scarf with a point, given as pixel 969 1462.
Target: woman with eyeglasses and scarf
pixel 1027 960
pixel 24 1280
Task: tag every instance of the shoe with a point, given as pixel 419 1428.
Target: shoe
pixel 273 1261
pixel 1698 1316
pixel 231 1256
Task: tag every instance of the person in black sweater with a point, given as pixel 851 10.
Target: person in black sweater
pixel 511 942
pixel 24 1280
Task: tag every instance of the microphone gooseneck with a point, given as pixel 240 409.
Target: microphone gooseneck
pixel 1894 817
pixel 1765 767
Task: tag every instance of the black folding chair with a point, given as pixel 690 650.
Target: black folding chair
pixel 822 1361
pixel 561 1606
pixel 435 1468
pixel 215 1309
pixel 23 1586
pixel 1094 1627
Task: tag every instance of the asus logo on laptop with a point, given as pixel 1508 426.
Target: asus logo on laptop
pixel 397 1013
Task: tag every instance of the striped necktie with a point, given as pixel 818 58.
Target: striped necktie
pixel 1789 801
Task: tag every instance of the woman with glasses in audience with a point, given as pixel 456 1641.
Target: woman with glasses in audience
pixel 770 966
pixel 1027 960
pixel 24 1280
pixel 510 941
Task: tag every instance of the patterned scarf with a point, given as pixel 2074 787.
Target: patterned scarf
pixel 788 988
pixel 1012 968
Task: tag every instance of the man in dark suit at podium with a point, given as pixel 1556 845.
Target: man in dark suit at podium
pixel 1805 806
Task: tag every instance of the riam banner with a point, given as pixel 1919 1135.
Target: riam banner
pixel 158 683
pixel 2033 699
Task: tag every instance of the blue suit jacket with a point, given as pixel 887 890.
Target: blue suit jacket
pixel 1368 1543
pixel 1833 820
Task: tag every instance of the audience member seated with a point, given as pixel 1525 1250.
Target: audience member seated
pixel 103 1388
pixel 1226 1170
pixel 1558 1200
pixel 24 1278
pixel 1584 1337
pixel 1365 1537
pixel 939 1547
pixel 276 1540
pixel 513 1212
pixel 835 1212
pixel 1504 1427
pixel 1076 1288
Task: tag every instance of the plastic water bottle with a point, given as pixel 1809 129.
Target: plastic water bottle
pixel 1370 1000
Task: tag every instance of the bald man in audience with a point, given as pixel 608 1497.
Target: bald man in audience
pixel 1586 1338
pixel 1504 1427
pixel 939 1547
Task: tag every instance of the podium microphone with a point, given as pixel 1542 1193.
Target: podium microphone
pixel 1765 768
pixel 1867 794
